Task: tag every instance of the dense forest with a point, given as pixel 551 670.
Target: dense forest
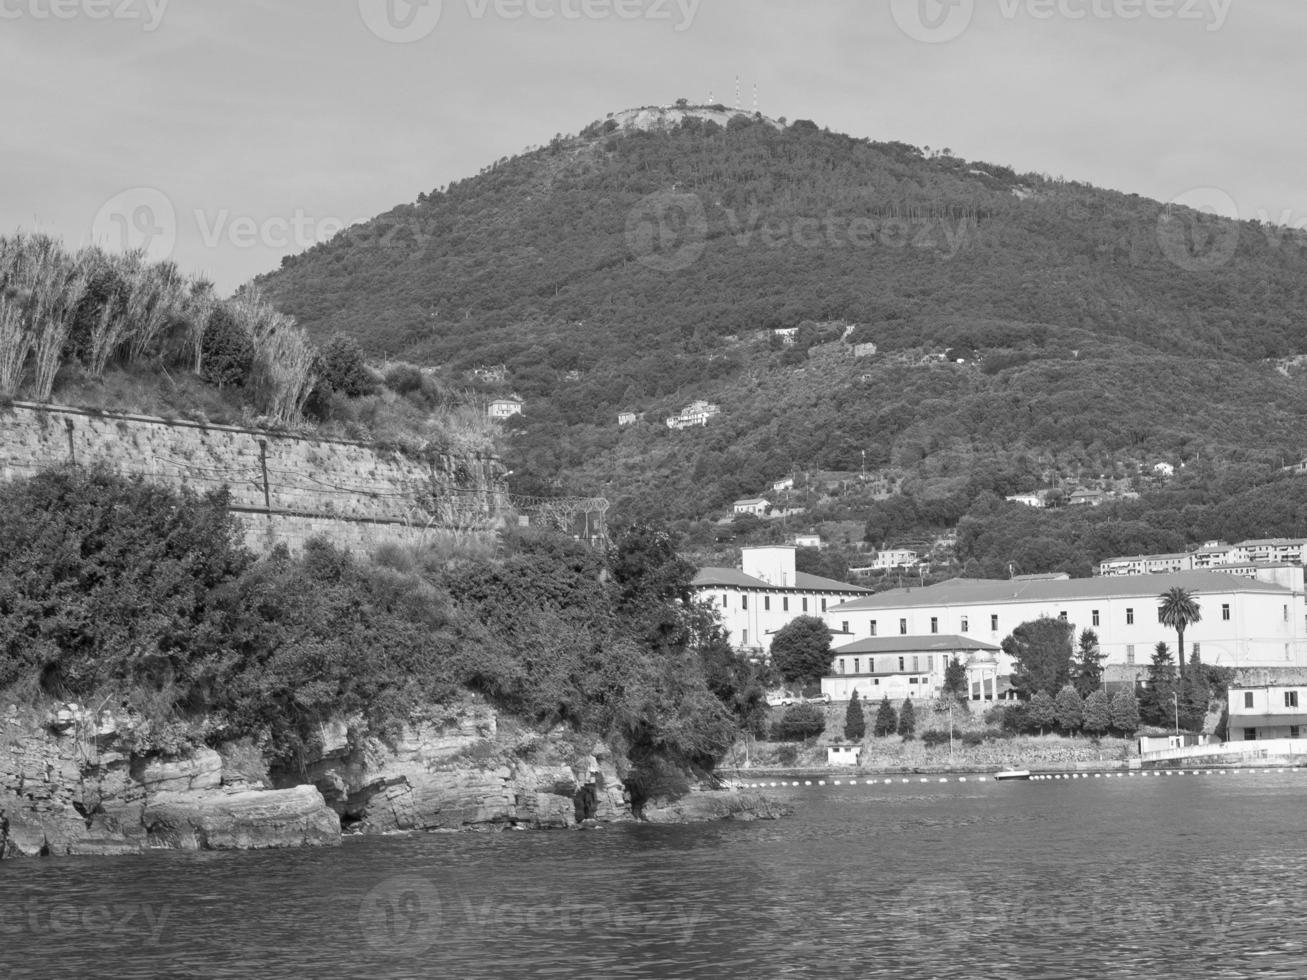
pixel 1027 329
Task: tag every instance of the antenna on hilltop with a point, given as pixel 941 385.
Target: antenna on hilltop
pixel 737 91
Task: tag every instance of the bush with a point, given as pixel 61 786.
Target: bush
pixel 973 739
pixel 787 755
pixel 801 722
pixel 932 737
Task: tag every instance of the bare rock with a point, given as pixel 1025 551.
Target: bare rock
pixel 238 821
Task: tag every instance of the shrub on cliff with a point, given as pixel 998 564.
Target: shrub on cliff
pixel 801 722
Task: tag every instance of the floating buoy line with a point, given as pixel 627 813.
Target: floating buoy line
pixel 1038 777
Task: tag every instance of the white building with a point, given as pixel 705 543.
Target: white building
pixel 1274 550
pixel 787 335
pixel 766 593
pixel 1272 711
pixel 505 408
pixel 1026 499
pixel 842 755
pixel 902 667
pixel 694 414
pixel 895 558
pixel 1164 469
pixel 1258 622
pixel 752 505
pixel 808 541
pixel 629 418
pixel 785 484
pixel 1147 564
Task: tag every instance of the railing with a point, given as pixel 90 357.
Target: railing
pixel 1260 749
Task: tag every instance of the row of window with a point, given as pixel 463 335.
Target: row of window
pixel 887 664
pixel 1290 700
pixel 1095 620
pixel 766 603
pixel 1250 734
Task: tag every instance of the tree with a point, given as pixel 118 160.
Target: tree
pixel 1156 706
pixel 1125 712
pixel 801 722
pixel 1098 713
pixel 800 650
pixel 1195 695
pixel 887 719
pixel 1177 609
pixel 1042 651
pixel 1041 712
pixel 855 725
pixel 341 368
pixel 955 679
pixel 1087 669
pixel 1070 708
pixel 907 720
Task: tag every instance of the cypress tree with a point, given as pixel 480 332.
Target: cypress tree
pixel 887 719
pixel 855 726
pixel 907 720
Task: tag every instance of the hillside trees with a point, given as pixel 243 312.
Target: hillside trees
pixel 1041 650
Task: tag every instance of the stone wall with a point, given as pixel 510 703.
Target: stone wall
pixel 285 488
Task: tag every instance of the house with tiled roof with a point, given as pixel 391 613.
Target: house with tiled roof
pixel 1258 621
pixel 767 592
pixel 906 667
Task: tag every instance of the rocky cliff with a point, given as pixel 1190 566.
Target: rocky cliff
pixel 71 784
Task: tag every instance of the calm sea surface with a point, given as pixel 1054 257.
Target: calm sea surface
pixel 1181 876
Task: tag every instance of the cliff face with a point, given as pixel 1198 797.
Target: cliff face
pixel 71 785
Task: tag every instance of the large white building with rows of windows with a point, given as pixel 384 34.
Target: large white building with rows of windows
pixel 1256 621
pixel 766 593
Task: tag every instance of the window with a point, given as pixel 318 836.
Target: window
pixel 1094 616
pixel 1130 653
pixel 844 626
pixel 965 625
pixel 993 623
pixel 723 600
pixel 1250 734
pixel 930 663
pixel 857 665
pixel 1129 616
pixel 1225 611
pixel 871 666
pixel 1286 614
pixel 903 627
pixel 823 605
pixel 1247 699
pixel 766 603
pixel 841 665
pixel 1293 731
pixel 1062 615
pixel 916 663
pixel 805 605
pixel 873 627
pixel 744 638
pixel 912 680
pixel 744 602
pixel 934 624
pixel 785 603
pixel 1291 699
pixel 900 663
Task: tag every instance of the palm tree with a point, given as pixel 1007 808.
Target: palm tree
pixel 1177 608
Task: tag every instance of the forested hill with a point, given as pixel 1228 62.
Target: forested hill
pixel 1021 322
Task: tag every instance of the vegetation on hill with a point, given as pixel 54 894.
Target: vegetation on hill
pixel 116 591
pixel 1026 328
pixel 100 330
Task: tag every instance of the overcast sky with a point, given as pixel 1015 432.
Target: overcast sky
pixel 229 133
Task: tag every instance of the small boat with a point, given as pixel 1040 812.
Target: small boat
pixel 1013 774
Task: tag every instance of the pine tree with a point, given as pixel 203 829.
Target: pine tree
pixel 1125 712
pixel 1098 713
pixel 955 680
pixel 855 726
pixel 1195 696
pixel 1041 712
pixel 1087 667
pixel 907 720
pixel 1070 708
pixel 1156 706
pixel 887 719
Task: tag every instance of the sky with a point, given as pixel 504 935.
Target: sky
pixel 227 134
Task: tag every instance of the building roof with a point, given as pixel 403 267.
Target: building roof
pixel 734 578
pixel 751 500
pixel 915 644
pixel 962 591
pixel 1283 542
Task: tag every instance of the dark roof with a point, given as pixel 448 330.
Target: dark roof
pixel 733 577
pixel 934 643
pixel 962 591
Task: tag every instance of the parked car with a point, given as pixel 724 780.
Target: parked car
pixel 782 699
pixel 819 699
